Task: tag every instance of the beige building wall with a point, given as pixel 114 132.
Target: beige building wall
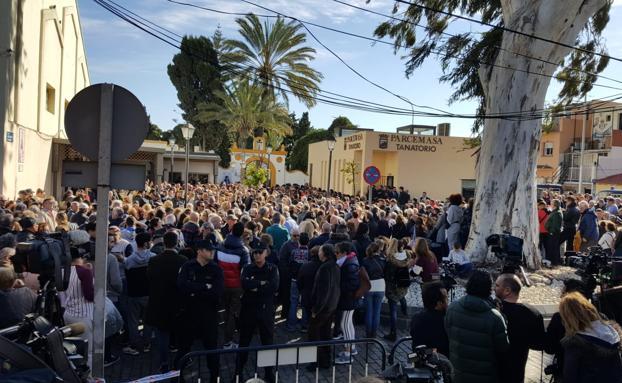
pixel 434 164
pixel 44 70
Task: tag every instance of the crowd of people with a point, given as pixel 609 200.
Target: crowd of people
pixel 179 265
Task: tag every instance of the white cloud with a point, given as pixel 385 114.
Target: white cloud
pixel 617 3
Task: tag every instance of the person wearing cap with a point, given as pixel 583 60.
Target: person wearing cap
pixel 201 286
pixel 260 281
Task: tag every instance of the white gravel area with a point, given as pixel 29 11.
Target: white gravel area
pixel 546 287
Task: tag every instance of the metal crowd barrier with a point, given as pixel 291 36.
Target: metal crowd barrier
pixel 400 347
pixel 287 360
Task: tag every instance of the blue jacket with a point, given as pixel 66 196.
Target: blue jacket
pixel 350 282
pixel 588 226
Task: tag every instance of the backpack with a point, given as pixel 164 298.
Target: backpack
pixel 402 277
pixel 365 284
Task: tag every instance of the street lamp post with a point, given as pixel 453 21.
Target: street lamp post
pixel 187 131
pixel 171 142
pixel 331 147
pixel 269 151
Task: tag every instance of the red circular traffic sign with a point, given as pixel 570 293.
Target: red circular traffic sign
pixel 371 175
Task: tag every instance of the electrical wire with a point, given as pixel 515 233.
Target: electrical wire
pixel 506 29
pixel 332 101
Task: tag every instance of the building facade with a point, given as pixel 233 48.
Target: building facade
pixel 597 126
pixel 404 159
pixel 44 65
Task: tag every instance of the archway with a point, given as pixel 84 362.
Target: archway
pixel 264 161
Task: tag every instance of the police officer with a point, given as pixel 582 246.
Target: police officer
pixel 201 284
pixel 260 282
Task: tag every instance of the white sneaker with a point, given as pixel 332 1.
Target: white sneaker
pixel 230 345
pixel 343 358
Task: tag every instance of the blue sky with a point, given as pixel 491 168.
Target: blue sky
pixel 119 53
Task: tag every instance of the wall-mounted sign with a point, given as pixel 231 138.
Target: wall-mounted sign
pixel 415 143
pixel 9 136
pixel 352 142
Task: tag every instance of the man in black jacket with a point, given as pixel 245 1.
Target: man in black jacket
pixel 525 329
pixel 201 284
pixel 163 306
pixel 427 326
pixel 324 298
pixel 260 281
pixel 571 219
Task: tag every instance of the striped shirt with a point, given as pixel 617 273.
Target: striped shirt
pixel 78 298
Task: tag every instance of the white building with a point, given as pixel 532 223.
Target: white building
pixel 43 65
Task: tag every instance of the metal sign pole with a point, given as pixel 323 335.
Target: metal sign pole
pixel 369 187
pixel 101 243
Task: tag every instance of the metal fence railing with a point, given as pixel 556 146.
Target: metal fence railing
pixel 290 362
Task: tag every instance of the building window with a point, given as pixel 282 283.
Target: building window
pixel 50 96
pixel 548 149
pixel 608 117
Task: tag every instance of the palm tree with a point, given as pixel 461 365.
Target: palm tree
pixel 276 57
pixel 243 109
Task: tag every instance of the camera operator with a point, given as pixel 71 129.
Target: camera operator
pixel 15 299
pixel 426 327
pixel 525 328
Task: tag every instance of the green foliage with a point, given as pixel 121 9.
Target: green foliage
pixel 299 155
pixel 350 169
pixel 243 109
pixel 196 75
pixel 154 133
pixel 299 129
pixel 460 56
pixel 276 56
pixel 341 122
pixel 255 176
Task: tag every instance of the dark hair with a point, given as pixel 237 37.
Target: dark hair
pixel 455 199
pixel 304 238
pixel 372 249
pixel 361 230
pixel 91 226
pixel 511 282
pixel 479 284
pixel 170 239
pixel 431 294
pixel 129 221
pixel 329 251
pixel 576 285
pixel 343 247
pixel 252 226
pixel 142 239
pixel 238 229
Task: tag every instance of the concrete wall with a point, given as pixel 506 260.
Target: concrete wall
pixel 47 67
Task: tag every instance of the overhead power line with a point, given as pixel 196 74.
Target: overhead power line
pixel 331 100
pixel 505 29
pixel 426 27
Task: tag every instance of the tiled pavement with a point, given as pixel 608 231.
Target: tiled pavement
pixel 134 367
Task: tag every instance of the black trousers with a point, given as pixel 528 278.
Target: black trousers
pixel 551 248
pixel 256 318
pixel 285 285
pixel 319 329
pixel 568 237
pixel 199 326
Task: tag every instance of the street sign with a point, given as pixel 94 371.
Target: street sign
pixel 105 123
pixel 130 123
pixel 81 174
pixel 371 175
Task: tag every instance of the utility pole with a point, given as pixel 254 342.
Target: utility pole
pixel 587 112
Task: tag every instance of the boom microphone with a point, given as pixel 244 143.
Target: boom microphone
pixel 73 329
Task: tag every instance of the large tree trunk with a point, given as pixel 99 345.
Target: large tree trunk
pixel 505 195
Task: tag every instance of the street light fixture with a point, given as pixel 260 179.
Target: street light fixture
pixel 331 146
pixel 269 151
pixel 171 142
pixel 187 132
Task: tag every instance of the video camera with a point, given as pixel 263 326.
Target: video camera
pixel 35 344
pixel 509 249
pixel 427 367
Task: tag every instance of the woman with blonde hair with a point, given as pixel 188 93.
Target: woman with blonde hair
pixel 62 223
pixel 591 345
